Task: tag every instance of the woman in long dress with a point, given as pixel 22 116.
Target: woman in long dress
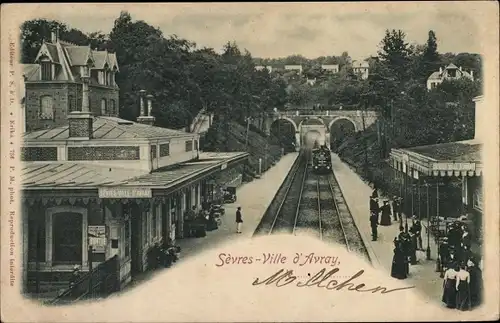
pixel 398 269
pixel 450 288
pixel 476 283
pixel 463 289
pixel 385 218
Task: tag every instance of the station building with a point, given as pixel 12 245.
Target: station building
pixel 99 187
pixel 433 167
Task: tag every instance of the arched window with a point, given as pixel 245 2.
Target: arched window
pixel 104 108
pixel 113 107
pixel 46 107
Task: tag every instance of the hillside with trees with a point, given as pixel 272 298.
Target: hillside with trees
pixel 410 115
pixel 185 79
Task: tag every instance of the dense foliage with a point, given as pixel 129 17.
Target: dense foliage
pixel 185 79
pixel 182 77
pixel 410 115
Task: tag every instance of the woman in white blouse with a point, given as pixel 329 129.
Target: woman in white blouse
pixel 449 287
pixel 463 289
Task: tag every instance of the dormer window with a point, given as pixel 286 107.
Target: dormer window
pixel 46 67
pixel 84 71
pixel 452 73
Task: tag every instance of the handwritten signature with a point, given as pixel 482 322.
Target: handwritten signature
pixel 322 279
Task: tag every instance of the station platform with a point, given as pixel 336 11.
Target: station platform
pixel 356 193
pixel 254 198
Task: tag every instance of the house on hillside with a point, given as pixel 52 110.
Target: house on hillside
pixel 331 68
pixel 311 81
pixel 297 68
pixel 361 68
pixel 261 67
pixel 55 80
pixel 450 72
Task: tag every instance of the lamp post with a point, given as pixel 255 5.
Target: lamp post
pixel 428 250
pixel 438 265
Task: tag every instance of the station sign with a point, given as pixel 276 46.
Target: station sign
pixel 124 192
pixel 97 237
pixel 454 166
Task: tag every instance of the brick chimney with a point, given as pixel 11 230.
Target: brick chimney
pixel 146 117
pixel 53 37
pixel 81 122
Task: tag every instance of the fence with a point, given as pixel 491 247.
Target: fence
pixel 98 283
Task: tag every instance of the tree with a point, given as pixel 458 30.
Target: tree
pixel 430 57
pixel 35 32
pixel 394 53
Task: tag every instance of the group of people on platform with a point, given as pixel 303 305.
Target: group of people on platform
pixel 463 282
pixel 381 215
pixel 462 285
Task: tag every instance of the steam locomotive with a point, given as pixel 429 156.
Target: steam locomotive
pixel 321 159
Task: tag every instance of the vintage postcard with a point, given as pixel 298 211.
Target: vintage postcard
pixel 241 162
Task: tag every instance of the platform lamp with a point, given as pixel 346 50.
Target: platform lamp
pixel 428 250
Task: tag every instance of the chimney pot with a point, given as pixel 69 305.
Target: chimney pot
pixel 150 106
pixel 141 101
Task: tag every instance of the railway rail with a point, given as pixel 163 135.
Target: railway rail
pixel 308 203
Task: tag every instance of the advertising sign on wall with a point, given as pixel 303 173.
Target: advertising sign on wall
pixel 97 237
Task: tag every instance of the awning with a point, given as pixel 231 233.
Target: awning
pixel 462 158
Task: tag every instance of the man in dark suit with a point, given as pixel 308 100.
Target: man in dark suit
pixel 374 207
pixel 239 220
pixel 374 224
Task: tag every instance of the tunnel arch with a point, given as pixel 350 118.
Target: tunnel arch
pixel 309 137
pixel 314 121
pixel 339 129
pixel 343 118
pixel 280 119
pixel 284 129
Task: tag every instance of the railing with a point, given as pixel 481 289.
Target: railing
pixel 310 112
pixel 99 283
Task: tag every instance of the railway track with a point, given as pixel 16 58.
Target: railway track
pixel 353 240
pixel 312 204
pixel 281 215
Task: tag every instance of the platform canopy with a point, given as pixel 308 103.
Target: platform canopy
pixel 61 181
pixel 461 158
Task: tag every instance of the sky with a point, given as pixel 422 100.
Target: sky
pixel 274 30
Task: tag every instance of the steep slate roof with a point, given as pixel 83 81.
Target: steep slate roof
pixel 113 61
pixel 70 55
pixel 78 55
pixel 51 50
pixel 108 128
pixel 29 70
pixel 101 58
